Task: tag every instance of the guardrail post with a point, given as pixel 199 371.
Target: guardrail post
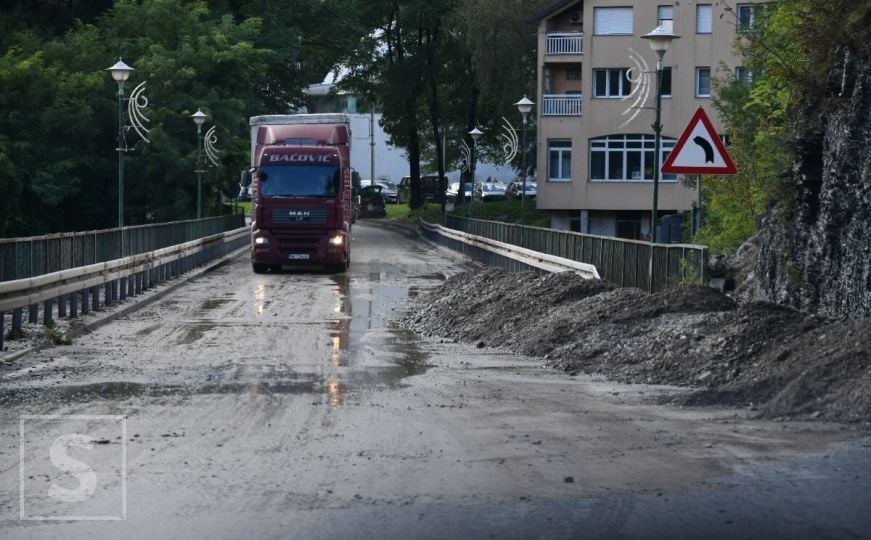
pixel 74 305
pixel 33 314
pixel 86 304
pixel 137 282
pixel 61 306
pixel 95 298
pixel 115 291
pixel 47 319
pixel 107 294
pixel 17 316
pixel 122 288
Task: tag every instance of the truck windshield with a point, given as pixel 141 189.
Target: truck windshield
pixel 299 181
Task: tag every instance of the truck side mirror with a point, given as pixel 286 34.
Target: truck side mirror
pixel 245 177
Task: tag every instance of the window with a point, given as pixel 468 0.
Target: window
pixel 559 161
pixel 665 17
pixel 746 15
pixel 744 76
pixel 703 82
pixel 629 225
pixel 666 82
pixel 612 21
pixel 704 18
pixel 573 74
pixel 627 157
pixel 611 83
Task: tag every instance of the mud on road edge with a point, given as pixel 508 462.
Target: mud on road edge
pixel 774 361
pixel 73 328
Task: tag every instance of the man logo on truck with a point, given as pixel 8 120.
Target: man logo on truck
pixel 299 215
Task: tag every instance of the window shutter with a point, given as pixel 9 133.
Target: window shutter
pixel 608 21
pixel 704 19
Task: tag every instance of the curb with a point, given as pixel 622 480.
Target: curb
pixel 78 330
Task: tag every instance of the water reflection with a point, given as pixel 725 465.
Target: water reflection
pixel 260 298
pixel 335 391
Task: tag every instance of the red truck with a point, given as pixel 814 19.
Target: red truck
pixel 301 191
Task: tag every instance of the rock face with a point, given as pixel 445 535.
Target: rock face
pixel 815 248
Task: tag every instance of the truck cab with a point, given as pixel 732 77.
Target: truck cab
pixel 301 192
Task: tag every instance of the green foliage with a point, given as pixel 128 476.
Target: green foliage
pixel 58 133
pixel 791 50
pixel 56 336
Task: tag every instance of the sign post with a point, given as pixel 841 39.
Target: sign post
pixel 699 151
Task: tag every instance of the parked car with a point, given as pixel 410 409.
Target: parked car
pixel 490 191
pixel 454 189
pixel 371 202
pixel 429 186
pixel 389 191
pixel 515 188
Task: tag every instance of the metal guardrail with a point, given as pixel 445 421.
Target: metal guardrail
pixel 37 255
pixel 623 262
pixel 86 288
pixel 503 255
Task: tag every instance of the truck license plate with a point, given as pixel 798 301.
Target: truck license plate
pixel 298 256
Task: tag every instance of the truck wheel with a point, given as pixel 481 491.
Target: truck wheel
pixel 341 268
pixel 259 268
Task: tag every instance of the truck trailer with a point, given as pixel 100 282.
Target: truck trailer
pixel 301 191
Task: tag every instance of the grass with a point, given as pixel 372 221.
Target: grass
pixel 430 212
pixel 507 212
pixel 245 206
pixel 504 211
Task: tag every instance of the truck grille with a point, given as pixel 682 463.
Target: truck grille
pixel 284 216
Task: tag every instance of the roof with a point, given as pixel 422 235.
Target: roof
pixel 550 10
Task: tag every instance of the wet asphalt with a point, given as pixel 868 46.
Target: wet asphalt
pixel 291 405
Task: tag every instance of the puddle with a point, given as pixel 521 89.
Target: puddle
pixel 148 330
pixel 195 332
pixel 214 303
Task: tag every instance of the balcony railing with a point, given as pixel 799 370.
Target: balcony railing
pixel 565 43
pixel 561 105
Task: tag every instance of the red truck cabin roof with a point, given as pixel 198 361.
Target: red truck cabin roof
pixel 292 134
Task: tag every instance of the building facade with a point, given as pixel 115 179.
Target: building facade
pixel 596 106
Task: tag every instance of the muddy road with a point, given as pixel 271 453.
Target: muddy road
pixel 292 406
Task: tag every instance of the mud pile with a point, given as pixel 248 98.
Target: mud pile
pixel 780 362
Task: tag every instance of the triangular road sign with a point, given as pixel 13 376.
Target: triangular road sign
pixel 699 150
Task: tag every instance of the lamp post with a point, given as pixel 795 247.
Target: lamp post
pixel 120 72
pixel 659 39
pixel 199 118
pixel 475 134
pixel 525 107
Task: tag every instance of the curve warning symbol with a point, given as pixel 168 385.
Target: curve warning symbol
pixel 706 155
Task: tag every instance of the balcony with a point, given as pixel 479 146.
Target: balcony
pixel 565 43
pixel 561 105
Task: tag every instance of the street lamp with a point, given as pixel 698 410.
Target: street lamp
pixel 199 118
pixel 659 39
pixel 120 72
pixel 525 107
pixel 475 134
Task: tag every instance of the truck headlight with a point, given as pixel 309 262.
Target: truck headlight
pixel 337 240
pixel 261 241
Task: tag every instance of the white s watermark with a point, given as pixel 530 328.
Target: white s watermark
pixel 73 467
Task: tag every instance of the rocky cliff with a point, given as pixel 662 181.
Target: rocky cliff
pixel 815 246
